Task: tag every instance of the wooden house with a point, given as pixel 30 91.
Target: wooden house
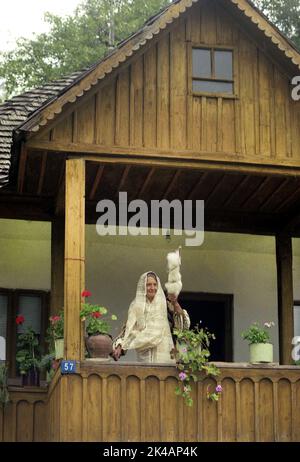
pixel 195 105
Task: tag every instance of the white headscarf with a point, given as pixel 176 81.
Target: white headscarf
pixel 158 304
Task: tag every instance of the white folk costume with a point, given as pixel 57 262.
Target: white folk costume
pixel 147 329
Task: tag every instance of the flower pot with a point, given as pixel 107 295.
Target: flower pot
pixel 31 379
pixel 99 346
pixel 261 353
pixel 59 348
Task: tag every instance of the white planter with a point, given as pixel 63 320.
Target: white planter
pixel 261 353
pixel 59 348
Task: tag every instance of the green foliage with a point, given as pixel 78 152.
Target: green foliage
pixel 56 327
pixel 28 353
pixel 285 14
pixel 192 355
pixel 257 334
pixel 47 361
pixel 4 395
pixel 73 42
pixel 96 319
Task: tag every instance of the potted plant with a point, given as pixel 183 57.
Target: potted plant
pixel 4 395
pixel 98 340
pixel 49 363
pixel 261 350
pixel 28 355
pixel 192 355
pixel 56 334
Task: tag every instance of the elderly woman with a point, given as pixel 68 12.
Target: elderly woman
pixel 147 329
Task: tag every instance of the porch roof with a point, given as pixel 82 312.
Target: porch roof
pixel 254 202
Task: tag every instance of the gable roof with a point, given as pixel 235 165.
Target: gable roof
pixel 15 111
pixel 29 111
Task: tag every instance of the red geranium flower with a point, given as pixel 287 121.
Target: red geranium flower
pixel 54 319
pixel 20 319
pixel 96 314
pixel 86 293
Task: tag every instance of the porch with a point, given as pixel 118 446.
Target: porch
pixel 137 403
pixel 258 403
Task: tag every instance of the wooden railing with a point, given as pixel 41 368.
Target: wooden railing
pixel 25 417
pixel 130 402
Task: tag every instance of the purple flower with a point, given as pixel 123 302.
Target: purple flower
pixel 219 389
pixel 182 376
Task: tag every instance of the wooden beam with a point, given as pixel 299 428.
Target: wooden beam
pixel 196 185
pixel 42 174
pixel 74 257
pixel 284 262
pixel 288 199
pixel 197 163
pixel 183 158
pixel 146 182
pixel 256 192
pixel 96 182
pixel 236 190
pixel 60 196
pixel 171 184
pixel 57 264
pixel 275 193
pixel 22 167
pixel 123 178
pixel 214 190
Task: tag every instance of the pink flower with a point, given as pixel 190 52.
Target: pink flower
pixel 55 364
pixel 182 376
pixel 20 319
pixel 86 293
pixel 219 389
pixel 54 319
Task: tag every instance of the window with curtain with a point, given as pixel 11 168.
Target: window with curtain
pixel 33 305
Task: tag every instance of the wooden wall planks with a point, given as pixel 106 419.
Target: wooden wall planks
pixel 149 102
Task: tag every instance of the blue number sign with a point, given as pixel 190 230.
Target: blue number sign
pixel 68 367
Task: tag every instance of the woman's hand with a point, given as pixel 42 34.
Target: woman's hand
pixel 173 299
pixel 117 353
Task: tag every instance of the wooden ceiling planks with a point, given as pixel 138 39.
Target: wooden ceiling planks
pixel 225 194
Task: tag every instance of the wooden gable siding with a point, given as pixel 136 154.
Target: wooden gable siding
pixel 149 103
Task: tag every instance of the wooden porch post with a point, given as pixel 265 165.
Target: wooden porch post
pixel 57 264
pixel 285 297
pixel 74 256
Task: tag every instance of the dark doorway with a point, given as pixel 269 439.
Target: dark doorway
pixel 215 313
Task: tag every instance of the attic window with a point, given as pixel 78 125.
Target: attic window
pixel 212 71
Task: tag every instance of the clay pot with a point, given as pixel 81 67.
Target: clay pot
pixel 99 345
pixel 32 378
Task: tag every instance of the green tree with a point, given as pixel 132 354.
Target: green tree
pixel 285 14
pixel 73 42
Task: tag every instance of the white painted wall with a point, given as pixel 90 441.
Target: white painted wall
pixel 241 265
